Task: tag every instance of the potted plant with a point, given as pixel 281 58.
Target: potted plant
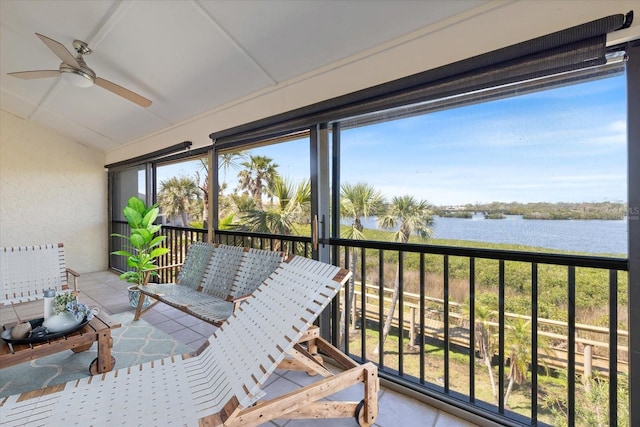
pixel 69 313
pixel 144 245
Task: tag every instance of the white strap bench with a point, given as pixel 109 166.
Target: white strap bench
pixel 222 385
pixel 213 280
pixel 27 271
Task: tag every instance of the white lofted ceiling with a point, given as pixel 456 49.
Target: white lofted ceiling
pixel 187 56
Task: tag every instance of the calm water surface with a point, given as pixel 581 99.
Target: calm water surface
pixel 592 236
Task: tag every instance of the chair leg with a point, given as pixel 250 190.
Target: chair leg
pixel 302 360
pixel 139 310
pixel 369 412
pixel 306 402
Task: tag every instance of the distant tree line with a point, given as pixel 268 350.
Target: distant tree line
pixel 539 210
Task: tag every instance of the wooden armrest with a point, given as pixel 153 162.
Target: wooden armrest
pixel 72 272
pixel 238 300
pixel 164 267
pixel 75 278
pixel 147 274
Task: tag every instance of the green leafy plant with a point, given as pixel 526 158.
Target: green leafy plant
pixel 144 245
pixel 62 299
pixel 68 302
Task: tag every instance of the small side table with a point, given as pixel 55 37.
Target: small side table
pixel 97 330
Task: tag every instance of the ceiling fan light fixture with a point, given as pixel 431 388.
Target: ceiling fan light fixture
pixel 77 77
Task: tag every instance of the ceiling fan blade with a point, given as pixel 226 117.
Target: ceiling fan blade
pixel 59 49
pixel 125 93
pixel 39 74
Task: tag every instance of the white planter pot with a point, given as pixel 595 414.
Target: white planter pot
pixel 61 322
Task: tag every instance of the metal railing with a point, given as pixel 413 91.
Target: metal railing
pixel 444 337
pixel 434 343
pixel 177 241
pixel 296 245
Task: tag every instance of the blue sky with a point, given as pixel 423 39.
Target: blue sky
pixel 566 144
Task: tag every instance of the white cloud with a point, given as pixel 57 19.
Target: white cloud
pixel 618 126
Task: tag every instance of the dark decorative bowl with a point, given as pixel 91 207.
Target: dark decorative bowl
pixel 35 323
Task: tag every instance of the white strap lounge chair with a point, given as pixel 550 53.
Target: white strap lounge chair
pixel 222 385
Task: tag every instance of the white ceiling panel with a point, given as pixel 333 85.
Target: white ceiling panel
pixel 188 57
pixel 77 131
pixel 181 56
pixel 289 38
pixel 125 120
pixel 16 104
pixel 63 21
pixel 12 60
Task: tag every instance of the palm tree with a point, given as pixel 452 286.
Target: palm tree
pixel 177 196
pixel 240 204
pixel 357 201
pixel 230 160
pixel 518 335
pixel 281 218
pixel 484 340
pixel 259 173
pixel 204 187
pixel 228 223
pixel 409 216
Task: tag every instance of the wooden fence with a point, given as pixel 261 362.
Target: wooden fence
pixel 591 354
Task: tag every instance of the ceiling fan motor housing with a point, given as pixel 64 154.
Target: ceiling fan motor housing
pixel 81 47
pixel 81 77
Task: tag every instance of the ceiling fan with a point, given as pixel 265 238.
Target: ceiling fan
pixel 76 71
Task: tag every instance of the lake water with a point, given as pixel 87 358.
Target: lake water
pixel 592 236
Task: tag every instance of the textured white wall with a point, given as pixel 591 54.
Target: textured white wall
pixel 52 190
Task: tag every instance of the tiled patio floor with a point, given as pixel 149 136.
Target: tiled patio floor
pixel 395 409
